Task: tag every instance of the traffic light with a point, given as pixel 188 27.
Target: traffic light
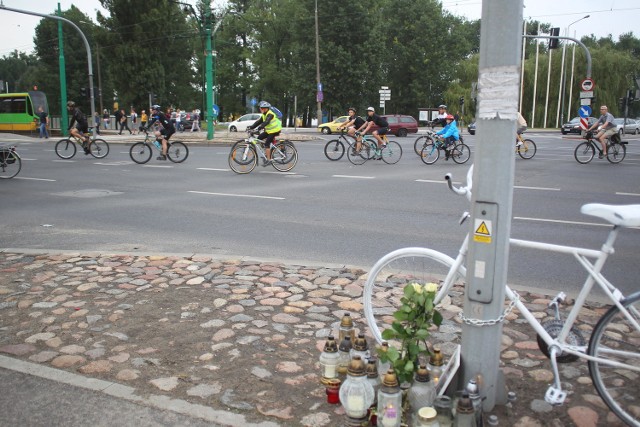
pixel 83 92
pixel 630 95
pixel 553 43
pixel 461 100
pixel 622 102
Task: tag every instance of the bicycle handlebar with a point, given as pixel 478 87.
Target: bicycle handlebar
pixel 462 190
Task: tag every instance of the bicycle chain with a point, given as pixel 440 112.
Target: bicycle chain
pixel 491 322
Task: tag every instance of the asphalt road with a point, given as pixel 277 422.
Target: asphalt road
pixel 322 211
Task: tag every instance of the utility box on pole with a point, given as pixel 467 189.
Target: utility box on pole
pixel 493 177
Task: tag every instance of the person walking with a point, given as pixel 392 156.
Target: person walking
pixel 105 118
pixel 97 120
pixel 143 119
pixel 195 121
pixel 44 122
pixel 123 122
pixel 134 121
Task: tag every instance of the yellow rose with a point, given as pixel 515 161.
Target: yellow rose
pixel 417 288
pixel 431 287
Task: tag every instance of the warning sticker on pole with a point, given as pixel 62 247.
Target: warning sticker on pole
pixel 482 231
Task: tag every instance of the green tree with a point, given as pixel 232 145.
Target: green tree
pixel 18 71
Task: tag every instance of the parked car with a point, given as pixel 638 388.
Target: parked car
pixel 472 128
pixel 243 122
pixel 399 124
pixel 630 126
pixel 330 127
pixel 573 126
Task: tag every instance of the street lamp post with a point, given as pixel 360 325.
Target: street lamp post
pixel 564 72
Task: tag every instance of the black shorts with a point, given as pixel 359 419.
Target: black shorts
pixel 382 131
pixel 268 138
pixel 167 133
pixel 82 127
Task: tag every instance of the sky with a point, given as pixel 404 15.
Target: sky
pixel 606 17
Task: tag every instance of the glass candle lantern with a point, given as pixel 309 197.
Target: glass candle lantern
pixel 333 391
pixel 427 417
pixel 373 377
pixel 389 401
pixel 422 392
pixel 435 366
pixel 360 348
pixel 383 367
pixel 344 351
pixel 346 328
pixel 356 393
pixel 329 359
pixel 443 406
pixel 465 416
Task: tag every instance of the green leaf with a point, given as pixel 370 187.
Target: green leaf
pixel 422 334
pixel 406 308
pixel 408 367
pixel 437 318
pixel 401 315
pixel 393 354
pixel 409 291
pixel 388 334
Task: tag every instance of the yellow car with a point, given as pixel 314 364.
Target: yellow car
pixel 327 128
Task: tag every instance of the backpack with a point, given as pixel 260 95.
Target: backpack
pixel 277 112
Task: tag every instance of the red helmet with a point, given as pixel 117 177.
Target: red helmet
pixel 449 117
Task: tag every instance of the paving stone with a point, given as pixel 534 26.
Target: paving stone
pixel 67 361
pixel 43 336
pixel 260 372
pixel 214 323
pixel 43 356
pixel 165 384
pixel 204 390
pixel 97 366
pixel 45 304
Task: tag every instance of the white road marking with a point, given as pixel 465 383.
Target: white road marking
pixel 536 188
pixel 24 158
pixel 65 161
pixel 278 173
pixel 35 179
pixel 627 194
pixel 122 163
pixel 237 195
pixel 353 176
pixel 157 166
pixel 213 169
pixel 436 181
pixel 559 221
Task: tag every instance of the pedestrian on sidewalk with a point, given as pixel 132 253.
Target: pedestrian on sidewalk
pixel 123 122
pixel 105 118
pixel 195 121
pixel 96 120
pixel 134 121
pixel 44 122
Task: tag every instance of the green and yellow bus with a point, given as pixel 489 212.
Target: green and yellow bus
pixel 19 111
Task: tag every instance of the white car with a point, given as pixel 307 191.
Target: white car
pixel 630 126
pixel 243 122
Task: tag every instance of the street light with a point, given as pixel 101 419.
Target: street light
pixel 564 72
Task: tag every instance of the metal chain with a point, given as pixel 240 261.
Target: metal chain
pixel 491 322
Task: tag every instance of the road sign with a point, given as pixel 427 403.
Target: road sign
pixel 584 123
pixel 254 101
pixel 585 111
pixel 319 87
pixel 587 84
pixel 585 101
pixel 586 94
pixel 216 110
pixel 320 97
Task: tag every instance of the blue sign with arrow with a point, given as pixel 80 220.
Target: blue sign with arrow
pixel 585 111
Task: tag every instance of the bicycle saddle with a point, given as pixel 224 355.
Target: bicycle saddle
pixel 621 215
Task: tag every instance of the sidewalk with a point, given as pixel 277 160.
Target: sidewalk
pixel 230 341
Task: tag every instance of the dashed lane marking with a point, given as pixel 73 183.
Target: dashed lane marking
pixel 237 195
pixel 353 176
pixel 34 179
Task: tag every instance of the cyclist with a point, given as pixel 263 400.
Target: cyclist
pixel 272 126
pixel 607 130
pixel 354 122
pixel 81 127
pixel 383 126
pixel 441 118
pixel 449 134
pixel 167 130
pixel 522 126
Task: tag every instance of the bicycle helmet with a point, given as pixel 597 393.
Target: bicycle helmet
pixel 352 109
pixel 442 106
pixel 371 109
pixel 71 104
pixel 264 104
pixel 449 117
pixel 156 107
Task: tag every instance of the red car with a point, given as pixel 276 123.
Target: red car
pixel 399 125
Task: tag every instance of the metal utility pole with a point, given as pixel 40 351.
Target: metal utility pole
pixel 491 203
pixel 64 115
pixel 86 45
pixel 564 69
pixel 209 72
pixel 319 95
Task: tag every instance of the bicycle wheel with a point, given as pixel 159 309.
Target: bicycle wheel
pixel 387 278
pixel 177 151
pixel 66 148
pixel 421 142
pixel 285 156
pixel 334 149
pixel 359 157
pixel 243 157
pixel 615 339
pixel 461 153
pixel 430 153
pixel 99 148
pixel 392 153
pixel 527 150
pixel 10 163
pixel 140 152
pixel 616 152
pixel 584 153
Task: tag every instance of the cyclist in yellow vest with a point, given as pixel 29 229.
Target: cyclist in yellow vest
pixel 271 124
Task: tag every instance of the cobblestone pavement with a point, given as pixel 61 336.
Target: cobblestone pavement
pixel 236 335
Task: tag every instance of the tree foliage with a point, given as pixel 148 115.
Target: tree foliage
pixel 266 49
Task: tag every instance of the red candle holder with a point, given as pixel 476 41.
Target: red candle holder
pixel 333 391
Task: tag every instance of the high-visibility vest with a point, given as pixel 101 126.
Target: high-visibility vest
pixel 275 125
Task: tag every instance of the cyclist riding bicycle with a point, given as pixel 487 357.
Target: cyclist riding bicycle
pixel 167 130
pixel 522 126
pixel 81 127
pixel 272 126
pixel 383 126
pixel 354 122
pixel 607 130
pixel 449 134
pixel 441 118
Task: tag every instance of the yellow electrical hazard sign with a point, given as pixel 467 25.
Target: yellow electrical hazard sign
pixel 483 231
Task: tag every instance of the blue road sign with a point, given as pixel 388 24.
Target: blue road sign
pixel 585 111
pixel 254 101
pixel 216 110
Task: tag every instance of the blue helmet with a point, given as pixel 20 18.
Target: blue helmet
pixel 156 107
pixel 264 104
